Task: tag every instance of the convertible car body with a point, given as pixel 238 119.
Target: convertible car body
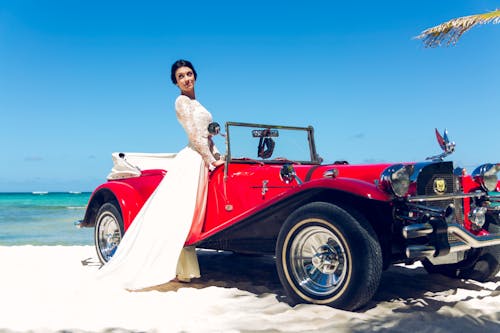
pixel 334 227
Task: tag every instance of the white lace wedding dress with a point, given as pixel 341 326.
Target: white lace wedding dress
pixel 152 250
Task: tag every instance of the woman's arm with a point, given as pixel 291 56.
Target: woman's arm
pixel 197 134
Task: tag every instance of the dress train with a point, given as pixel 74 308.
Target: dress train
pixel 149 253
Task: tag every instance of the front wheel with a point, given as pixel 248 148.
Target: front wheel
pixel 326 256
pixel 108 231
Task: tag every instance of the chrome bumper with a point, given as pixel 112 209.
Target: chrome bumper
pixel 466 240
pixel 79 224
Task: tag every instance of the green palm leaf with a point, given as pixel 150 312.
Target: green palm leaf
pixel 449 32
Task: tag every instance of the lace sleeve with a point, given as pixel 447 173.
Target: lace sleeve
pixel 196 126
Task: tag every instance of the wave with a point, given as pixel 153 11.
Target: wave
pixel 39 207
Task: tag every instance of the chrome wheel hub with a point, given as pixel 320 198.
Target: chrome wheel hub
pixel 109 236
pixel 318 260
pixel 326 260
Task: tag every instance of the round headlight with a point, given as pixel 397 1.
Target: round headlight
pixel 396 179
pixel 487 176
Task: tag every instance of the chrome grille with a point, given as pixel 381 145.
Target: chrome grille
pixel 426 186
pixel 448 179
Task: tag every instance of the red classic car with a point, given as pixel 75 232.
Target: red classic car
pixel 332 228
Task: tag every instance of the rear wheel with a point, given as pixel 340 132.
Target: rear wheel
pixel 108 231
pixel 326 256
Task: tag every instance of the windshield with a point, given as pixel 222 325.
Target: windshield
pixel 267 143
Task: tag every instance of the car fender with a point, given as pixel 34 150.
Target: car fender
pixel 354 186
pixel 127 198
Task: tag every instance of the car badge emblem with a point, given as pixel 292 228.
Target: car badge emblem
pixel 439 186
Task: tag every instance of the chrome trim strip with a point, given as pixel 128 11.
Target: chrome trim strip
pixel 494 198
pixel 458 247
pixel 472 240
pixel 422 198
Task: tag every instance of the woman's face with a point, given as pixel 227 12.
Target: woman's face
pixel 185 79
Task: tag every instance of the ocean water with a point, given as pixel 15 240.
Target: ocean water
pixel 42 218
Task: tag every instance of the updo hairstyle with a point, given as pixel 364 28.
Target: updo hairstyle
pixel 178 64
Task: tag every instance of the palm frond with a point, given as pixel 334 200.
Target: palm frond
pixel 449 32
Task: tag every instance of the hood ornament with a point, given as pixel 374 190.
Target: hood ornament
pixel 446 145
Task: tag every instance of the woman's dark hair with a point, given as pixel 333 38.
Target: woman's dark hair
pixel 178 64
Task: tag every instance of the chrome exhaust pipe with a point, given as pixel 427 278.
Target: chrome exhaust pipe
pixel 419 251
pixel 417 230
pixel 416 251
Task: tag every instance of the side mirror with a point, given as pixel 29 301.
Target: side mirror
pixel 214 128
pixel 287 174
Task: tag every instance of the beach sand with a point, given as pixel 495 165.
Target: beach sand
pixel 52 288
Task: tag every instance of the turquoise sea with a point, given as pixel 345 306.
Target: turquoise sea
pixel 42 218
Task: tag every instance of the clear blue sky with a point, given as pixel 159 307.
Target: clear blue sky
pixel 82 79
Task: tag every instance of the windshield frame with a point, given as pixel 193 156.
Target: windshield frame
pixel 314 157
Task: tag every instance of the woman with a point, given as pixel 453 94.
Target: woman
pixel 152 250
pixel 192 115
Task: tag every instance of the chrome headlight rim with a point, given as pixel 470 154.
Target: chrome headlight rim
pixel 486 175
pixel 396 179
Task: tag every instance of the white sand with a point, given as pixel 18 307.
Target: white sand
pixel 51 288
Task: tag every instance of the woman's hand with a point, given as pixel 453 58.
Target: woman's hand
pixel 215 164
